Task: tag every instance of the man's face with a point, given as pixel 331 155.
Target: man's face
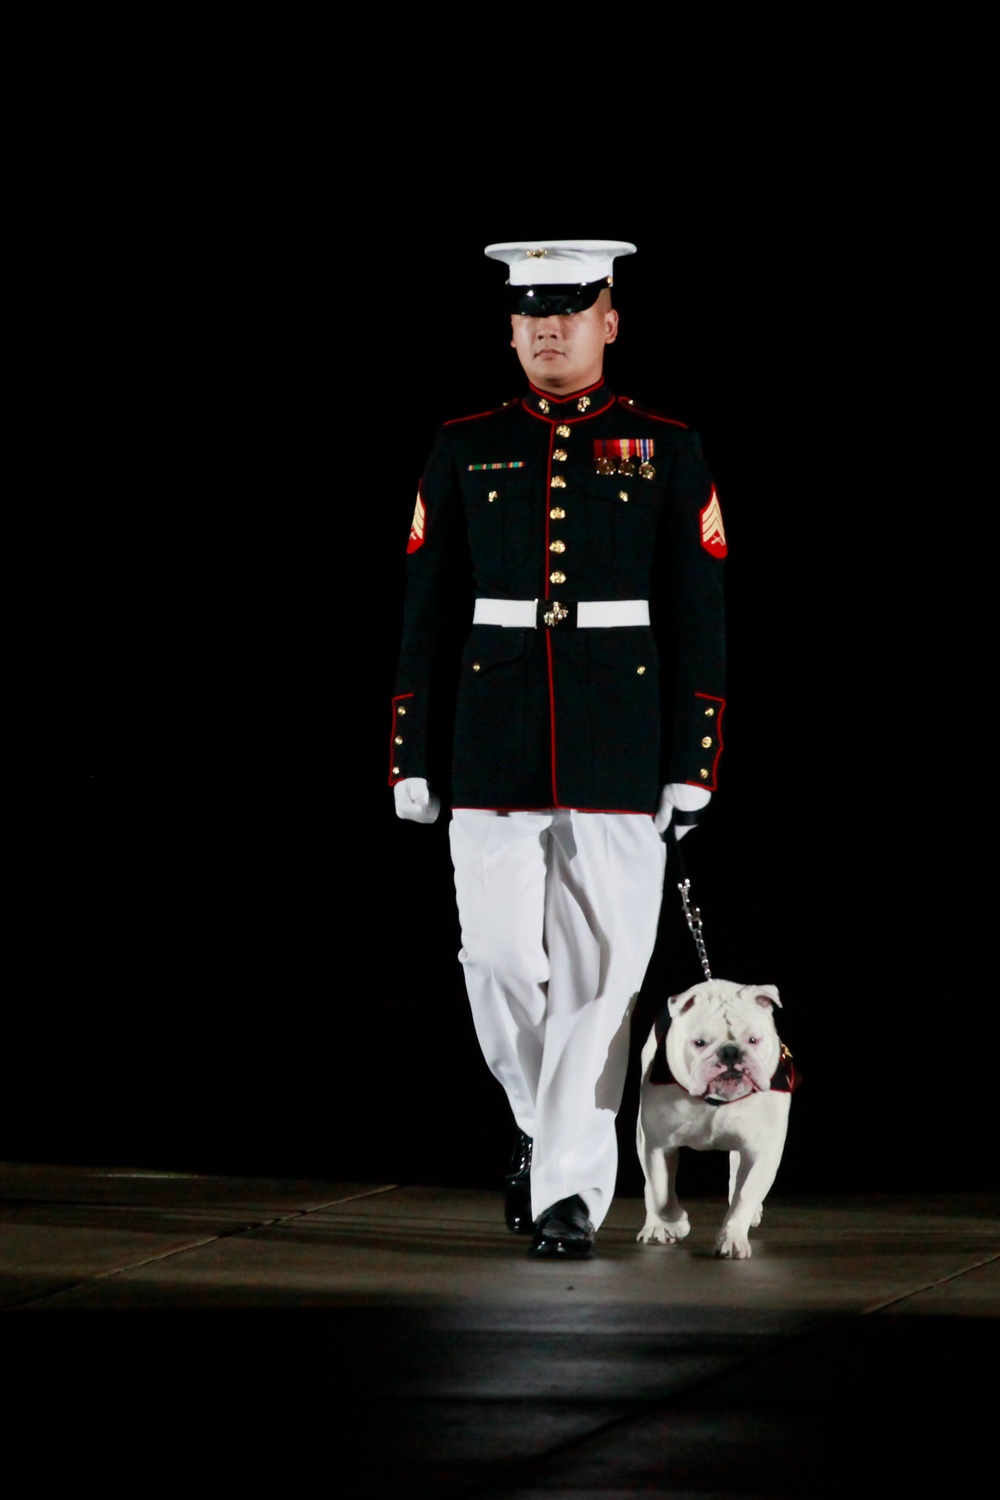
pixel 564 354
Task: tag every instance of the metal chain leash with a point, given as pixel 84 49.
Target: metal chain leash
pixel 692 913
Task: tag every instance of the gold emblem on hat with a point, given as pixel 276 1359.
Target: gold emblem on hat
pixel 535 254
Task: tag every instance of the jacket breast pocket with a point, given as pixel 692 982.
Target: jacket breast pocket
pixel 636 519
pixel 498 511
pixel 622 520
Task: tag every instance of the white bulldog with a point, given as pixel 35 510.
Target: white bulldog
pixel 716 1078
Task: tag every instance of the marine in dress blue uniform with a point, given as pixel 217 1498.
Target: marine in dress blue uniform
pixel 589 711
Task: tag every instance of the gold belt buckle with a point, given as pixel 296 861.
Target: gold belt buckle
pixel 555 613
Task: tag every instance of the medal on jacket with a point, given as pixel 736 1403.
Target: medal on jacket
pixel 620 455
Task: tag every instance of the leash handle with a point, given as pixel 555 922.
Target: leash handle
pixel 692 913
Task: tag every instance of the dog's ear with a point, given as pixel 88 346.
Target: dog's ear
pixel 672 1004
pixel 767 994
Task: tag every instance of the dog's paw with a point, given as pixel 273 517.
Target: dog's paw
pixel 659 1232
pixel 756 1218
pixel 730 1246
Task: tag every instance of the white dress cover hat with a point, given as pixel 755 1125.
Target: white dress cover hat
pixel 557 276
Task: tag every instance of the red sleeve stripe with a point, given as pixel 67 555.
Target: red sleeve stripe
pixel 710 784
pixel 395 772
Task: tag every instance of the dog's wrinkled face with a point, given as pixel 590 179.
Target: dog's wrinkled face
pixel 722 1043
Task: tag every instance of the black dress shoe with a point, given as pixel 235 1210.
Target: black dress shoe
pixel 517 1188
pixel 564 1231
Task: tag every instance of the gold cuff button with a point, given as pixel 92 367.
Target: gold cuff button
pixel 399 739
pixel 557 577
pixel 476 666
pixel 401 712
pixel 640 670
pixel 710 713
pixel 703 774
pixel 395 771
pixel 623 495
pixel 706 742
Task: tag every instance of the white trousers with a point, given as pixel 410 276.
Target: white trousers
pixel 558 912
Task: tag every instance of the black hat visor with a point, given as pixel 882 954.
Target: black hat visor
pixel 554 301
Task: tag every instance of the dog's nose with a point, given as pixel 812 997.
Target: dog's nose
pixel 730 1054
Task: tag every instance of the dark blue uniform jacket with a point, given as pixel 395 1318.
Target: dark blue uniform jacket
pixel 590 497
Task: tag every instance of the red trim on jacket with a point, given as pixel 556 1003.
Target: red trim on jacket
pixel 552 716
pixel 571 396
pixel 400 697
pixel 548 634
pixel 548 506
pixel 719 743
pixel 454 421
pixel 654 416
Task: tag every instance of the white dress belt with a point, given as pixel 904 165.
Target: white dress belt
pixel 591 614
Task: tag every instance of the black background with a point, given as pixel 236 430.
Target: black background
pixel 263 289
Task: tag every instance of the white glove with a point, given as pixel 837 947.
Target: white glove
pixel 678 795
pixel 416 801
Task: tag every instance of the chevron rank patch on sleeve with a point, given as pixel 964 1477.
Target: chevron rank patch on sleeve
pixel 713 533
pixel 417 525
